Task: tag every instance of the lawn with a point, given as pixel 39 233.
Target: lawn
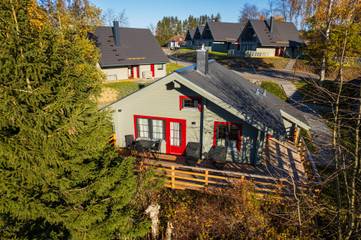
pixel 275 89
pixel 235 62
pixel 113 91
pixel 123 88
pixel 171 67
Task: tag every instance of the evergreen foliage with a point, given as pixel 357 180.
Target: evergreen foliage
pixel 59 178
pixel 168 27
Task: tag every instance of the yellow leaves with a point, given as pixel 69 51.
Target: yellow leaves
pixel 37 16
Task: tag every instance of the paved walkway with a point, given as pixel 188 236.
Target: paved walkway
pixel 290 64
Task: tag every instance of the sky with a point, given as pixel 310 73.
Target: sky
pixel 143 13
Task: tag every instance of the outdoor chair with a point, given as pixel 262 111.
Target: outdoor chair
pixel 129 141
pixel 193 151
pixel 217 155
pixel 156 146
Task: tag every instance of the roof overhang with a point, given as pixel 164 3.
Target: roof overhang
pixel 295 120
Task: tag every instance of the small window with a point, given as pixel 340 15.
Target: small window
pixel 160 67
pixel 190 102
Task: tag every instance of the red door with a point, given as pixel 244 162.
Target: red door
pixel 175 136
pixel 138 74
pixel 152 69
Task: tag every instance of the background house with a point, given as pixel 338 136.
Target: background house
pixel 197 37
pixel 129 53
pixel 265 38
pixel 221 36
pixel 176 42
pixel 189 38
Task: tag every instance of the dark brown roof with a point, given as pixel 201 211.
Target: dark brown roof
pixel 137 46
pixel 224 31
pixel 283 33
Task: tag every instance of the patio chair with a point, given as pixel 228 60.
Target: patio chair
pixel 193 151
pixel 156 146
pixel 217 155
pixel 129 141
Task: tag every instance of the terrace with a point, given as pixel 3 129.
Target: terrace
pixel 284 169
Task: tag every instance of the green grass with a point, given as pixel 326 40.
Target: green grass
pixel 275 89
pixel 123 88
pixel 171 67
pixel 223 54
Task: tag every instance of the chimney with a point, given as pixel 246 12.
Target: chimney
pixel 271 24
pixel 202 60
pixel 116 33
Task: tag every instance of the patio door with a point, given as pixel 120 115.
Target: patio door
pixel 176 136
pixel 228 135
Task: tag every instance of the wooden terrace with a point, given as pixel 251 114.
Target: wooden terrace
pixel 284 169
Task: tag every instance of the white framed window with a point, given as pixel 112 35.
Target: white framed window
pixel 150 128
pixel 175 134
pixel 143 128
pixel 160 67
pixel 157 129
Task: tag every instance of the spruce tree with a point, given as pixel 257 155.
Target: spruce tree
pixel 59 178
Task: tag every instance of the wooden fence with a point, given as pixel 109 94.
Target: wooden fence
pixel 197 178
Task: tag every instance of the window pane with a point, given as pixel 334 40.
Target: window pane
pixel 189 103
pixel 143 128
pixel 175 137
pixel 158 129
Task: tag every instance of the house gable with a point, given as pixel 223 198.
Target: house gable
pixel 207 33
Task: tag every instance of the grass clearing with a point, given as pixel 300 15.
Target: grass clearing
pixel 123 88
pixel 171 67
pixel 275 89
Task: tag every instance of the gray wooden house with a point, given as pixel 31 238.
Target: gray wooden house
pixel 208 104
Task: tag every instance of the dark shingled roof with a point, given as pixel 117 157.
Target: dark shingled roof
pixel 283 33
pixel 242 95
pixel 137 46
pixel 225 32
pixel 190 34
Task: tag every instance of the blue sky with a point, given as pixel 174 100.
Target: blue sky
pixel 142 13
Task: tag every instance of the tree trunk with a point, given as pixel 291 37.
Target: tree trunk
pixel 326 39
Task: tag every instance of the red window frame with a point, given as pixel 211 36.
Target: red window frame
pixel 199 99
pixel 176 150
pixel 152 69
pixel 217 123
pixel 138 72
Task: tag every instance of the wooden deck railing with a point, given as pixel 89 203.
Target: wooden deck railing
pixel 196 178
pixel 308 161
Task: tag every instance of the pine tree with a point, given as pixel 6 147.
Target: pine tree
pixel 59 178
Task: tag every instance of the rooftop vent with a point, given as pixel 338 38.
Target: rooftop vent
pixel 260 92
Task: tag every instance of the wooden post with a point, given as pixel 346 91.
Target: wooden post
pixel 206 178
pixel 173 176
pixel 296 135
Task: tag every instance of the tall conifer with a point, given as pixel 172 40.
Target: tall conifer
pixel 58 176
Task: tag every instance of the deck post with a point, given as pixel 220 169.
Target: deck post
pixel 296 135
pixel 173 176
pixel 206 177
